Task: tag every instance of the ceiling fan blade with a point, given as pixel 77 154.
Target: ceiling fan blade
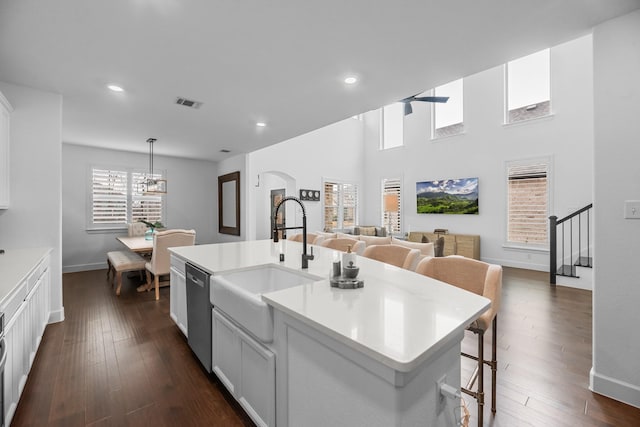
pixel 407 108
pixel 432 98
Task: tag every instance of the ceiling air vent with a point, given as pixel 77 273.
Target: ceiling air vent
pixel 188 103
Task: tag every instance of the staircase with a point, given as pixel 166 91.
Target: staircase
pixel 570 257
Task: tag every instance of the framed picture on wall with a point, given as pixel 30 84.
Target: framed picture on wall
pixel 447 196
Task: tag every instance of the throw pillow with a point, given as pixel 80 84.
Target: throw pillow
pixel 425 239
pixel 367 231
pixel 438 246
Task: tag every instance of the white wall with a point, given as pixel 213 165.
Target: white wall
pixel 191 201
pixel 485 147
pixel 333 152
pixel 616 294
pixel 34 216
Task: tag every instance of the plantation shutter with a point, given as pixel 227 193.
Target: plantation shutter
pixel 146 207
pixel 109 201
pixel 528 203
pixel 349 204
pixel 340 205
pixel 392 187
pixel 330 206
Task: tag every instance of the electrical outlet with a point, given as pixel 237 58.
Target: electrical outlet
pixel 632 209
pixel 440 398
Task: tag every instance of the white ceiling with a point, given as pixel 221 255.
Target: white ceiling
pixel 279 61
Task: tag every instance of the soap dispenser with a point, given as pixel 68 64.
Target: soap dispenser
pixel 348 258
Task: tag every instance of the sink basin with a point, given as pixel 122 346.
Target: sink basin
pixel 237 294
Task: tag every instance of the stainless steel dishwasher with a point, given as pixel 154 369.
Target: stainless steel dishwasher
pixel 199 314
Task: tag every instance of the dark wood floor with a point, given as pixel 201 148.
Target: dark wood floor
pixel 122 361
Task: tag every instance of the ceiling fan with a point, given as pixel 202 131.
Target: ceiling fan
pixel 407 101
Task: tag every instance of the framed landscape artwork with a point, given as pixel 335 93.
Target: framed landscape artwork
pixel 448 196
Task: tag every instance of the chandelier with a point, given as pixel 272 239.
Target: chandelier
pixel 151 185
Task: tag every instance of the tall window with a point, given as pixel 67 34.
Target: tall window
pixel 392 126
pixel 116 198
pixel 528 90
pixel 392 205
pixel 528 201
pixel 448 118
pixel 340 205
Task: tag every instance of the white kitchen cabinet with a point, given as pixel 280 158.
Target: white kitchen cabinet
pixel 5 114
pixel 27 313
pixel 178 294
pixel 246 368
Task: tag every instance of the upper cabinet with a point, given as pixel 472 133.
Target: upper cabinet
pixel 5 115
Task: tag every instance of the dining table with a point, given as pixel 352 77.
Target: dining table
pixel 137 244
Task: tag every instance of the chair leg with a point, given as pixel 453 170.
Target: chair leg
pixel 157 282
pixel 119 280
pixel 108 269
pixel 494 362
pixel 148 284
pixel 480 396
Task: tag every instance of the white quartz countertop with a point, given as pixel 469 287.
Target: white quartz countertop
pixel 399 318
pixel 15 266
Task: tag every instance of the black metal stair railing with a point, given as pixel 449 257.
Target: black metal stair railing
pixel 582 239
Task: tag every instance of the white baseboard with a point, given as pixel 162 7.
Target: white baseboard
pixel 56 316
pixel 84 267
pixel 517 264
pixel 583 281
pixel 615 389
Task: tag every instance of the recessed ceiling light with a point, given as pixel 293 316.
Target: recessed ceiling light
pixel 351 80
pixel 261 124
pixel 115 88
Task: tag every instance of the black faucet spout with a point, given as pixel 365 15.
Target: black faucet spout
pixel 305 257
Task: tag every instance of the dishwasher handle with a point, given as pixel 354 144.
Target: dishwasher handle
pixel 193 279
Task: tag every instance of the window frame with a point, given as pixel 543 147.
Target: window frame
pixel 434 106
pixel 341 203
pixel 536 246
pixel 92 226
pixel 383 145
pixel 549 113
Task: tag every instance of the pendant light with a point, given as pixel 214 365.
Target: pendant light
pixel 150 185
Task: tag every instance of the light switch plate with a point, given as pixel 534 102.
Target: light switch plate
pixel 632 209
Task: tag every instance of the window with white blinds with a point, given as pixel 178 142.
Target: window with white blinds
pixel 117 198
pixel 340 205
pixel 528 202
pixel 392 205
pixel 147 207
pixel 109 202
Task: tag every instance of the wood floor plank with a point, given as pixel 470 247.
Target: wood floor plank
pixel 120 361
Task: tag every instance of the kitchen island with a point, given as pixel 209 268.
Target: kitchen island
pixel 372 356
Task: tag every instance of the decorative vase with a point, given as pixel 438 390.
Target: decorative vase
pixel 148 235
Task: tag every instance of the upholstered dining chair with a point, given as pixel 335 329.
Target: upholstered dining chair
pixel 399 256
pixel 483 279
pixel 160 258
pixel 136 229
pixel 343 245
